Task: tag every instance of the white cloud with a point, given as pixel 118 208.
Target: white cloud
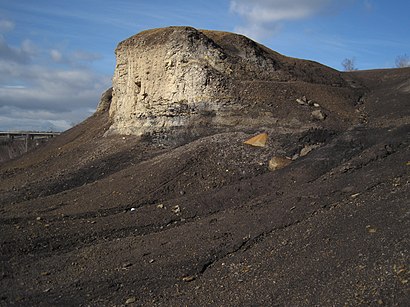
pixel 81 55
pixel 76 58
pixel 6 25
pixel 29 48
pixel 257 30
pixel 14 86
pixel 368 5
pixel 56 55
pixel 17 122
pixel 50 88
pixel 20 54
pixel 263 17
pixel 44 89
pixel 276 10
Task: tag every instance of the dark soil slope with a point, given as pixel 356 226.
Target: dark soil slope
pixel 109 221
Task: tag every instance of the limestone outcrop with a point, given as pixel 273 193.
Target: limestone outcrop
pixel 179 78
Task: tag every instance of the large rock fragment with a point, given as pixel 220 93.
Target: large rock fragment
pixel 278 162
pixel 258 140
pixel 105 101
pixel 318 115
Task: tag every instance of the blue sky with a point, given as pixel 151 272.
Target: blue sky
pixel 57 56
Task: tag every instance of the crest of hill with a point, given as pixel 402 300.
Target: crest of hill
pixel 241 52
pixel 242 48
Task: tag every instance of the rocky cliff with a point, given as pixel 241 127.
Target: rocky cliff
pixel 179 79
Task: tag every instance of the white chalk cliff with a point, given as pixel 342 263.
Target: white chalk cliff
pixel 183 78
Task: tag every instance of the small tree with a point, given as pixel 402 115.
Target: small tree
pixel 349 64
pixel 402 61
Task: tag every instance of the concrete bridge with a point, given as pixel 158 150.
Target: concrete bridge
pixel 26 136
pixel 11 135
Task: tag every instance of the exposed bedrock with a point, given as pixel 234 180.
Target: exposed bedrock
pixel 182 79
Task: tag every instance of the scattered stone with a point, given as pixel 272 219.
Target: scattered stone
pixel 347 189
pixel 301 102
pixel 258 140
pixel 133 209
pixel 295 157
pixel 307 149
pixel 160 206
pixel 354 195
pixel 127 265
pixel 38 218
pixel 45 273
pixel 313 103
pixel 176 209
pixel 345 168
pixel 130 300
pixel 151 261
pixel 318 115
pixel 188 278
pixel 402 273
pixel 371 229
pixel 278 162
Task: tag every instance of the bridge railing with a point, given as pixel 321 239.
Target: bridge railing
pixel 27 134
pixel 7 137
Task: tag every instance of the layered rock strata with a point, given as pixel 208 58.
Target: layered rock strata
pixel 182 78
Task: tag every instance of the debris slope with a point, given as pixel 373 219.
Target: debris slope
pixel 116 211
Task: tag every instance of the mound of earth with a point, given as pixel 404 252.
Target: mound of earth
pixel 171 208
pixel 178 79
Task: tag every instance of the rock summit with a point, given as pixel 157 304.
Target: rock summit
pixel 183 80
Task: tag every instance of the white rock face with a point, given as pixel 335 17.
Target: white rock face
pixel 167 83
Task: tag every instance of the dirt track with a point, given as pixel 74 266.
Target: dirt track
pixel 90 220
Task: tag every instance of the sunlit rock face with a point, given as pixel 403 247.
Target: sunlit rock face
pixel 182 78
pixel 167 78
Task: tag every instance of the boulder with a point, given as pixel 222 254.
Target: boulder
pixel 318 115
pixel 278 162
pixel 258 140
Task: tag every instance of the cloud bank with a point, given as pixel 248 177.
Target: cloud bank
pixel 45 89
pixel 263 18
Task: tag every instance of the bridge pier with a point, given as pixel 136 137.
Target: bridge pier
pixel 27 136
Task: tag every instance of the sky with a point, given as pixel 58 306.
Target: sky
pixel 57 56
